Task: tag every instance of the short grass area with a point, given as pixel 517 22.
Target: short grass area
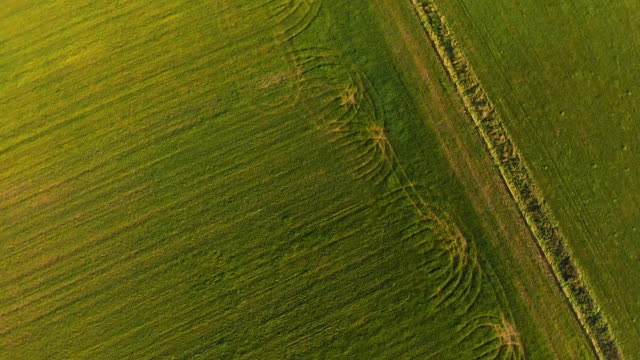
pixel 239 179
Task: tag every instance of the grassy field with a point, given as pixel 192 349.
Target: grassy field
pixel 252 179
pixel 561 74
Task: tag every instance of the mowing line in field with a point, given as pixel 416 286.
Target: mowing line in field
pixel 349 113
pixel 517 178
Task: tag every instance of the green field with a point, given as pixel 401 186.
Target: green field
pixel 564 77
pixel 266 179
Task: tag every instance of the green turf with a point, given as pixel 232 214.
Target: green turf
pixel 236 179
pixel 563 75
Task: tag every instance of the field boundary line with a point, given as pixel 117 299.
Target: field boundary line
pixel 518 180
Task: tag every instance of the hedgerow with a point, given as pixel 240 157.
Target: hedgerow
pixel 518 179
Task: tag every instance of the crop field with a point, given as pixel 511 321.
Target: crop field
pixel 562 75
pixel 264 179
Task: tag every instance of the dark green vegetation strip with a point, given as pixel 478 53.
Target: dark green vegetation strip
pixel 517 178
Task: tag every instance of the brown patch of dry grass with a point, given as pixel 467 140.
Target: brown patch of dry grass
pixel 277 79
pixel 348 98
pixel 509 338
pixel 378 135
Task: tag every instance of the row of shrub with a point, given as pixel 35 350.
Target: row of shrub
pixel 517 178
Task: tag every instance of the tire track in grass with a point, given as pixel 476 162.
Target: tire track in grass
pixel 349 114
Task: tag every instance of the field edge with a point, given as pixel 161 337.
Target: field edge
pixel 518 180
